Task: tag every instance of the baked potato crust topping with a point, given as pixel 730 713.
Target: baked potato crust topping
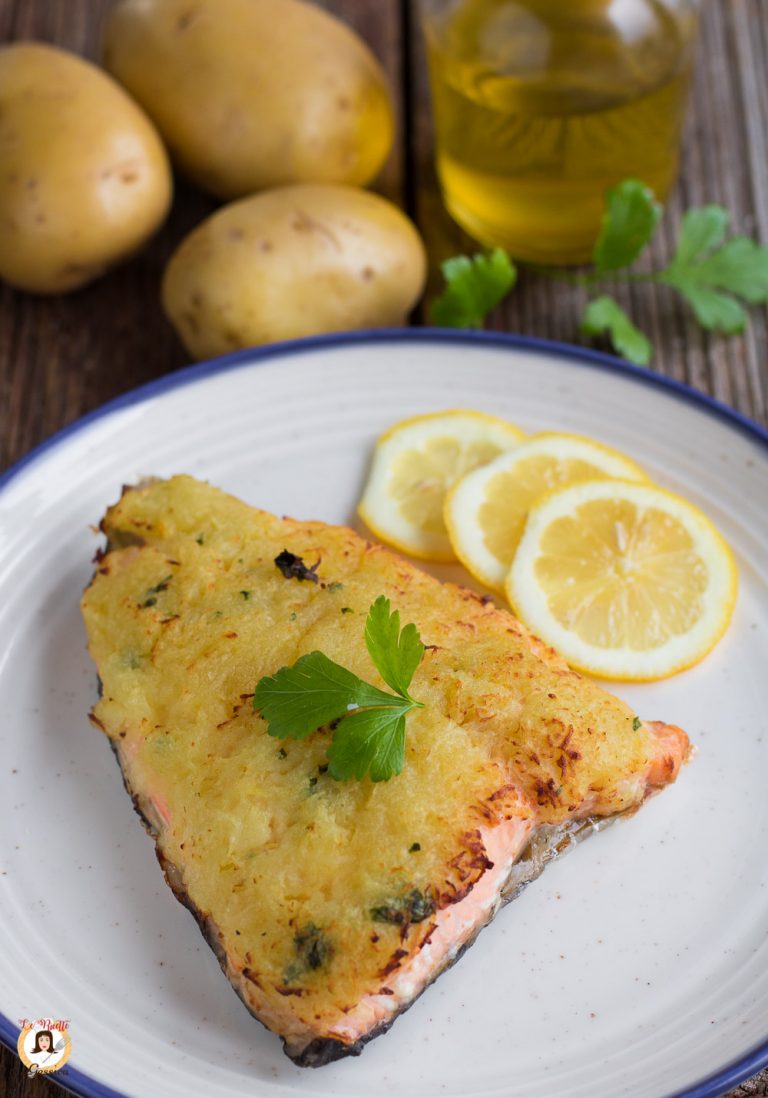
pixel 324 894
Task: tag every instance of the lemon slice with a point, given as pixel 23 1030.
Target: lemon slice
pixel 415 463
pixel 486 511
pixel 627 581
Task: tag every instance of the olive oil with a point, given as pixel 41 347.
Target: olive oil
pixel 541 105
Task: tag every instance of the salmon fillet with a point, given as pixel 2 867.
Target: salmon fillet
pixel 332 905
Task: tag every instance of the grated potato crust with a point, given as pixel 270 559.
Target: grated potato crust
pixel 187 611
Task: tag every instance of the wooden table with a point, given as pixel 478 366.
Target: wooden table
pixel 60 357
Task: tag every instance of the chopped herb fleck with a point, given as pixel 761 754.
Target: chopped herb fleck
pixel 246 595
pixel 200 539
pixel 149 595
pixel 313 945
pixel 293 567
pixel 636 724
pixel 347 610
pixel 413 907
pixel 322 769
pixel 313 950
pixel 414 848
pixel 294 615
pixel 312 785
pixel 335 586
pixel 282 753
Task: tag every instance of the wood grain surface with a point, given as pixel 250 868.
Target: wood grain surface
pixel 61 357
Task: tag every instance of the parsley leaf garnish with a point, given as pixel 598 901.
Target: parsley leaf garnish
pixel 473 287
pixel 314 691
pixel 701 230
pixel 710 272
pixel 396 653
pixel 369 741
pixel 631 214
pixel 606 315
pixel 703 266
pixel 368 723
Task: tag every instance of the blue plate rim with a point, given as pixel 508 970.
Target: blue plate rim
pixel 734 1073
pixel 255 356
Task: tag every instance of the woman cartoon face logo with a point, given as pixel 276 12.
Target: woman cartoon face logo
pixel 43 1041
pixel 43 1047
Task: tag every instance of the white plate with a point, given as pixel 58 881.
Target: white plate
pixel 636 966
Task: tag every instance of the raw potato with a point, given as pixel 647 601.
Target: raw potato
pixel 250 94
pixel 84 177
pixel 294 261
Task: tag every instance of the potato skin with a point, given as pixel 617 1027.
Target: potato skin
pixel 250 94
pixel 293 261
pixel 84 176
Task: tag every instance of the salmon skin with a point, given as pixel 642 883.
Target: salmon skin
pixel 330 905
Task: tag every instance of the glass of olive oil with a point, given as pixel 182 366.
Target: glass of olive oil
pixel 541 105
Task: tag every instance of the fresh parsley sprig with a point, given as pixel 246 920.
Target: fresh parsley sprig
pixel 472 288
pixel 368 723
pixel 604 316
pixel 710 272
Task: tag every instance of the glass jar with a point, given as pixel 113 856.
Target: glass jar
pixel 541 105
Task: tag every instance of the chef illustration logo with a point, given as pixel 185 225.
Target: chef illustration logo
pixel 44 1044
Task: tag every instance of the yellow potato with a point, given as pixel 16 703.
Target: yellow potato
pixel 294 261
pixel 250 94
pixel 84 177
